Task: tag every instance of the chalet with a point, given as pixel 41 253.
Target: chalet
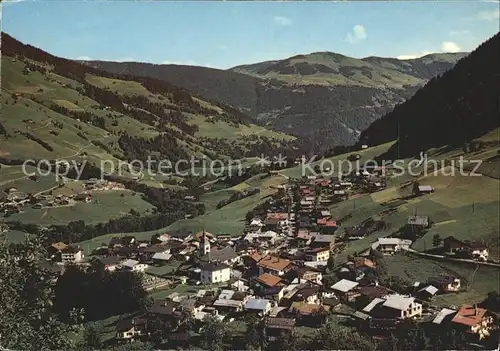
pixel 478 250
pixel 131 328
pixel 452 245
pixel 161 257
pixel 399 306
pixel 318 254
pixel 274 327
pixel 215 273
pixel 309 274
pixel 260 306
pixel 268 280
pixel 169 311
pixel 327 226
pixel 273 265
pixel 322 240
pixel 418 223
pixel 72 254
pixel 354 233
pixel 309 293
pixel 473 320
pixel 110 263
pixel 445 283
pixel 122 241
pixel 389 246
pixel 133 265
pixel 344 289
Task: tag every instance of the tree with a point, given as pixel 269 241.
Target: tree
pixel 214 335
pixel 287 340
pixel 332 336
pixel 92 337
pixel 436 240
pixel 27 316
pixel 330 264
pixel 254 336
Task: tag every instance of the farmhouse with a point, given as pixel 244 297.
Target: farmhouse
pixel 389 246
pixel 71 254
pixel 318 254
pixel 273 265
pixel 400 306
pixel 418 223
pixel 473 320
pixel 445 283
pixel 131 328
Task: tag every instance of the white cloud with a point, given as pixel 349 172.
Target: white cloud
pixel 413 56
pixel 358 33
pixel 492 15
pixel 282 21
pixel 125 59
pixel 184 63
pixel 83 58
pixel 449 46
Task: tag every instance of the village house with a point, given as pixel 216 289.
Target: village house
pixel 444 316
pixel 399 306
pixel 479 251
pixel 215 273
pixel 445 283
pixel 308 293
pixel 473 320
pixel 131 328
pixel 267 280
pixel 274 327
pixel 86 198
pixel 72 254
pixel 260 306
pixel 133 265
pixel 321 241
pixel 389 246
pixel 318 254
pixel 417 224
pixel 344 289
pixel 110 263
pixel 273 265
pixel 309 274
pixel 354 233
pixel 422 189
pixel 309 313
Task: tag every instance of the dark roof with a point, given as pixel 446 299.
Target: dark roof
pixel 374 291
pixel 110 260
pixel 279 323
pixel 164 307
pixel 331 301
pixel 442 279
pixel 71 249
pixel 153 249
pixel 308 290
pixel 212 267
pixel 355 231
pixel 221 255
pixel 127 324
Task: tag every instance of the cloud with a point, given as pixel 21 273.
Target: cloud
pixel 490 16
pixel 223 47
pixel 358 33
pixel 282 21
pixel 449 46
pixel 413 56
pixel 125 59
pixel 83 58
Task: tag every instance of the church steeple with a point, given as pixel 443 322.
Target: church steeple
pixel 204 244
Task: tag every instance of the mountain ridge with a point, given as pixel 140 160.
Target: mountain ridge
pixel 326 108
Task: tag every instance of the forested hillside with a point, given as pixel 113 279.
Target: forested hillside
pixel 452 109
pixel 55 108
pixel 326 98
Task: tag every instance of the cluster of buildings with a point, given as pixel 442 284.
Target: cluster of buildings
pixel 14 201
pixel 276 268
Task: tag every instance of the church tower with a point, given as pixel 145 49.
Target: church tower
pixel 204 245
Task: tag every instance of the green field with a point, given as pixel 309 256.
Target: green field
pixel 476 283
pixel 104 206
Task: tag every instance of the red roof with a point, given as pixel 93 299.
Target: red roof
pixel 469 315
pixel 331 223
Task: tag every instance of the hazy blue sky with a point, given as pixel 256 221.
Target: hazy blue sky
pixel 226 34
